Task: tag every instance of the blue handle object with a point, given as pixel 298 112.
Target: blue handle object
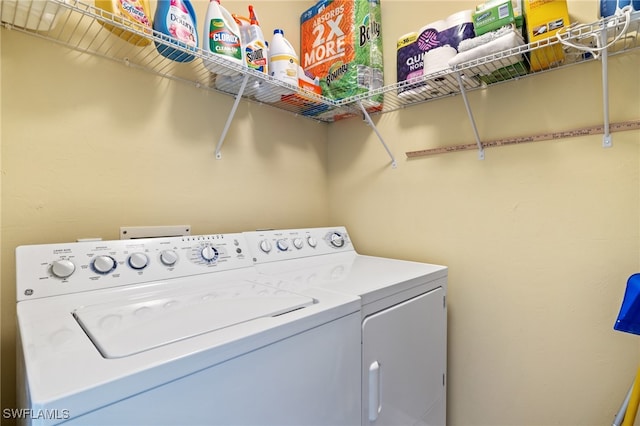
pixel 629 316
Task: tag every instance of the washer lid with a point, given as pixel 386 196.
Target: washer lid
pixel 120 329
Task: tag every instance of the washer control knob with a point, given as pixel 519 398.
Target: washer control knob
pixel 312 241
pixel 138 260
pixel 298 243
pixel 265 246
pixel 62 268
pixel 104 264
pixel 283 245
pixel 168 257
pixel 209 253
pixel 336 239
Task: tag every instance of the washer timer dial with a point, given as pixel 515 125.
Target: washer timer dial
pixel 209 253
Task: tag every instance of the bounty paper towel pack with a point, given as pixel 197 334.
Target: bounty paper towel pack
pixel 341 43
pixel 429 49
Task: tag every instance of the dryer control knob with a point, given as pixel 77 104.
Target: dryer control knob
pixel 336 239
pixel 62 268
pixel 283 245
pixel 209 253
pixel 265 246
pixel 168 257
pixel 298 243
pixel 312 241
pixel 104 264
pixel 138 260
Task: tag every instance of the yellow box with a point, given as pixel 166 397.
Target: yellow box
pixel 543 19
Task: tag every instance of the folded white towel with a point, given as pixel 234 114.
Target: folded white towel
pixel 503 43
pixel 470 43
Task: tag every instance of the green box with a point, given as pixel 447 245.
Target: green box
pixel 492 15
pixel 505 73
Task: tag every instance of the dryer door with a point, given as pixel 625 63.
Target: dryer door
pixel 404 363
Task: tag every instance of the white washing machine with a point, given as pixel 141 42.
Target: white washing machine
pixel 179 331
pixel 404 316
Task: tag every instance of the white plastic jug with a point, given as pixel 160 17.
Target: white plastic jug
pixel 221 41
pixel 283 59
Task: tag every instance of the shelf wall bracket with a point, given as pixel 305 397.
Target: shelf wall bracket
pixel 604 58
pixel 367 118
pixel 470 114
pixel 232 113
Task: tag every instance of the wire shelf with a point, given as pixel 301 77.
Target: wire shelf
pixel 85 28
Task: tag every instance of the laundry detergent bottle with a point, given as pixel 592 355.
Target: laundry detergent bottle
pixel 616 7
pixel 131 13
pixel 176 20
pixel 221 41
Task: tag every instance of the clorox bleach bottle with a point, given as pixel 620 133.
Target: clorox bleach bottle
pixel 177 20
pixel 283 59
pixel 221 40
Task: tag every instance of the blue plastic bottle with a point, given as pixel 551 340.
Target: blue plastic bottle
pixel 176 20
pixel 611 7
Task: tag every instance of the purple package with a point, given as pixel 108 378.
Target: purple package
pixel 412 47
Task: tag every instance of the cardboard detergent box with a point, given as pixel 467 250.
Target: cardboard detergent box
pixel 341 43
pixel 543 19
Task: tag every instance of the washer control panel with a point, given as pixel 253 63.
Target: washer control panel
pixel 53 269
pixel 274 245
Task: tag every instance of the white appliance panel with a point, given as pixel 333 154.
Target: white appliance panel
pixel 183 325
pixel 403 306
pixel 404 363
pixel 297 381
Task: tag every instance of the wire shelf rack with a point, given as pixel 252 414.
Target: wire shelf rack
pixel 85 28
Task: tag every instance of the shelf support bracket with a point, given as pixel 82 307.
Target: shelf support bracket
pixel 606 138
pixel 367 118
pixel 470 114
pixel 232 113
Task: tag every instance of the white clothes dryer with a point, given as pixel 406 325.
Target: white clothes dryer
pixel 178 331
pixel 404 316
